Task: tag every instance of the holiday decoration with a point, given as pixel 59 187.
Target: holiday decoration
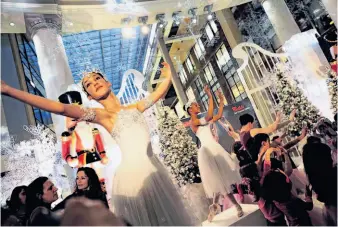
pixel 331 82
pixel 290 98
pixel 179 152
pixel 81 144
pixel 30 159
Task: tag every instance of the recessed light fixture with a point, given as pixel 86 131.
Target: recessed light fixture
pixel 12 24
pixel 70 23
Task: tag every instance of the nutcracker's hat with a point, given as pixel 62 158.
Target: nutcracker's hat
pixel 71 97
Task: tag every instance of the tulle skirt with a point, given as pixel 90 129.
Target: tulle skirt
pixel 218 170
pixel 143 194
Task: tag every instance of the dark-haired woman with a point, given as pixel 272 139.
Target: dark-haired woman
pixel 41 193
pixel 322 175
pixel 16 207
pixel 87 185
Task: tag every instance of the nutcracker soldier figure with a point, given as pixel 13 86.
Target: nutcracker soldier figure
pixel 81 144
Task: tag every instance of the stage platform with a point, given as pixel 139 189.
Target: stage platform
pixel 252 217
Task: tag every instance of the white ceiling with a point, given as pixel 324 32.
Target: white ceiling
pixel 85 15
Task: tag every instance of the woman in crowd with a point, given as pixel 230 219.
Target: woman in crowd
pixel 15 214
pixel 87 185
pixel 41 193
pixel 276 190
pixel 322 175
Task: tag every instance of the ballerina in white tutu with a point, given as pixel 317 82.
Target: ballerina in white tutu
pixel 143 193
pixel 218 170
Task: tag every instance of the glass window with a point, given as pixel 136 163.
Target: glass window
pixel 222 57
pixel 183 76
pixel 189 65
pixel 214 26
pixel 199 49
pixel 199 41
pixel 190 94
pixel 33 79
pixel 209 32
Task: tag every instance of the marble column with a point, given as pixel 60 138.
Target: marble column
pixel 331 8
pixel 229 27
pixel 281 19
pixel 182 97
pixel 45 31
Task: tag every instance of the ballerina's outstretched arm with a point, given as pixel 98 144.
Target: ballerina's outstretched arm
pixel 219 115
pixel 160 91
pixel 210 112
pixel 73 111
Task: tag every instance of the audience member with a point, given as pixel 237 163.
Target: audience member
pixel 276 188
pixel 87 185
pixel 17 206
pixel 248 131
pixel 41 193
pixel 322 175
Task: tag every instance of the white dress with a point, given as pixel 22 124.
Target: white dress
pixel 143 193
pixel 218 170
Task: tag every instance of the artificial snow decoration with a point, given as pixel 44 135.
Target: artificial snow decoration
pixel 178 151
pixel 30 159
pixel 331 82
pixel 290 98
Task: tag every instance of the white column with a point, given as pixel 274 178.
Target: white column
pixel 182 97
pixel 331 8
pixel 52 59
pixel 281 19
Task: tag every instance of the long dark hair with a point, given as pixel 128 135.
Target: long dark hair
pixel 256 144
pixel 34 194
pixel 94 185
pixel 318 165
pixel 14 203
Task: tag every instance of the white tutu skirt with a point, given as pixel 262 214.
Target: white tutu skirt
pixel 143 194
pixel 218 171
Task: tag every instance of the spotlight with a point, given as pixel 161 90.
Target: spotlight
pixel 176 17
pixel 161 20
pixel 145 29
pixel 128 33
pixel 210 17
pixel 192 12
pixel 208 10
pixel 70 24
pixel 12 24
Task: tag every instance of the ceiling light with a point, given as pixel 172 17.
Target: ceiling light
pixel 194 20
pixel 12 24
pixel 210 17
pixel 145 29
pixel 161 20
pixel 128 33
pixel 208 10
pixel 70 23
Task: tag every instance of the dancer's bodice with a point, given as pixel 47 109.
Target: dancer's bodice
pixel 204 133
pixel 132 135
